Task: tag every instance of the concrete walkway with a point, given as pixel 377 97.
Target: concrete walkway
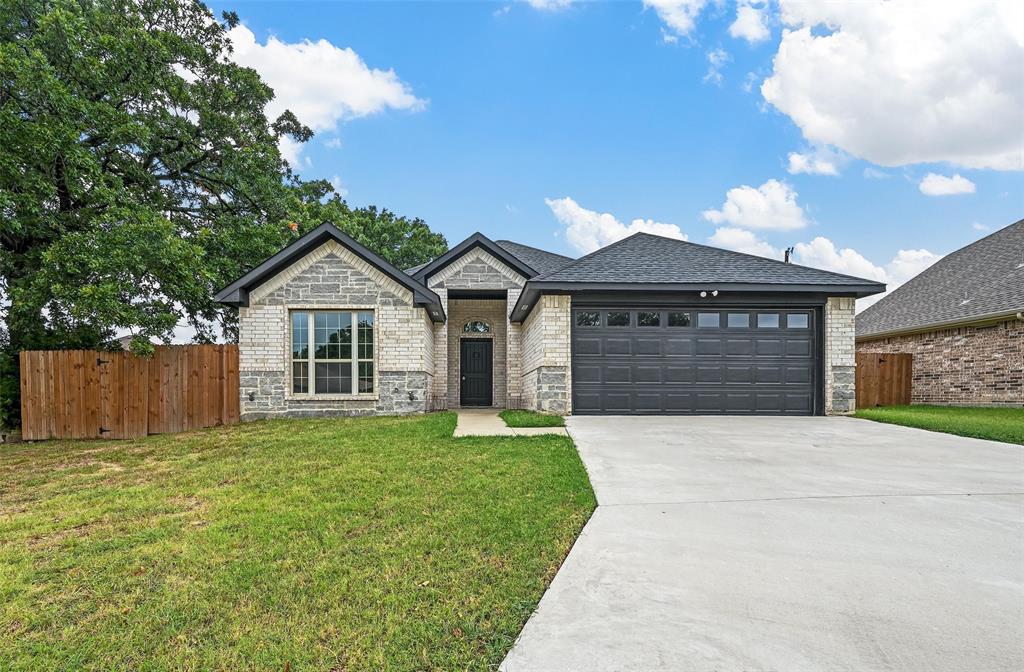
pixel 487 422
pixel 792 544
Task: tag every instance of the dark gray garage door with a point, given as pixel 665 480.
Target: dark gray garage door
pixel 694 360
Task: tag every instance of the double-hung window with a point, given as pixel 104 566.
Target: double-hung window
pixel 332 352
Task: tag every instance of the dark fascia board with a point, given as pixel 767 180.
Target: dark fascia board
pixel 533 290
pixel 476 240
pixel 237 293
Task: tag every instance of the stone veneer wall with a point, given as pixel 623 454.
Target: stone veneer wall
pixel 331 277
pixel 969 366
pixel 491 311
pixel 476 270
pixel 546 356
pixel 840 359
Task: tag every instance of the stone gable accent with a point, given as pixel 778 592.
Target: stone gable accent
pixel 476 269
pixel 333 276
pixel 969 366
pixel 840 358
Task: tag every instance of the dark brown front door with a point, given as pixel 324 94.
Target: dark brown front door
pixel 476 372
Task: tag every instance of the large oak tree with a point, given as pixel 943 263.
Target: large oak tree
pixel 139 174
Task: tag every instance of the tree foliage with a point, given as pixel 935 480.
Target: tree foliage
pixel 139 174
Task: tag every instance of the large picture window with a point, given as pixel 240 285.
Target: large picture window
pixel 332 352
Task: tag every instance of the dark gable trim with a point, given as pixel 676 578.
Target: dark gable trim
pixel 237 293
pixel 476 240
pixel 781 294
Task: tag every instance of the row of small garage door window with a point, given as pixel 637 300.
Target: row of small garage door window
pixel 653 318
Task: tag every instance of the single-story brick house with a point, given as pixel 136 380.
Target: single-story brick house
pixel 645 325
pixel 963 321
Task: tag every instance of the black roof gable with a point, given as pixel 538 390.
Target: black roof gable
pixel 423 273
pixel 237 293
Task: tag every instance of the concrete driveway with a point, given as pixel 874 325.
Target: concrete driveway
pixel 787 544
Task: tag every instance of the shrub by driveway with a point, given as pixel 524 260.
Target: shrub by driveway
pixel 361 544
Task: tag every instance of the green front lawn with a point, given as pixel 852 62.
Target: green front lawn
pixel 997 424
pixel 362 544
pixel 531 419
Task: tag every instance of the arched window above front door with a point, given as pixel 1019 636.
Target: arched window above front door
pixel 476 327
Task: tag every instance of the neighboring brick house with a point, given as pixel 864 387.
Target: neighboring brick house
pixel 963 321
pixel 645 325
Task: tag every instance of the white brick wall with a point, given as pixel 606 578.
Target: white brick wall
pixel 440 381
pixel 840 355
pixel 332 277
pixel 546 333
pixel 546 355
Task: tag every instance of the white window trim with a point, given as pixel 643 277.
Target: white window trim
pixel 312 395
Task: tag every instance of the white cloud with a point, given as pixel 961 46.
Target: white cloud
pixel 668 38
pixel 338 186
pixel 749 81
pixel 549 5
pixel 587 230
pixel 717 58
pixel 978 226
pixel 822 253
pixel 333 143
pixel 679 15
pixel 290 150
pixel 502 11
pixel 750 23
pixel 897 84
pixel 771 206
pixel 940 185
pixel 818 162
pixel 741 240
pixel 875 174
pixel 321 83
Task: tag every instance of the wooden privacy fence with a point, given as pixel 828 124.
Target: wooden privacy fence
pixel 883 379
pixel 86 394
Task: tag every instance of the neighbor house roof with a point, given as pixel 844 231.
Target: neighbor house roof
pixel 983 281
pixel 645 262
pixel 237 293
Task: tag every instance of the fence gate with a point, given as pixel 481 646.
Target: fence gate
pixel 84 394
pixel 883 379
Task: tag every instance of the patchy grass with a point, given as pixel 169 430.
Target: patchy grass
pixel 531 419
pixel 360 544
pixel 997 424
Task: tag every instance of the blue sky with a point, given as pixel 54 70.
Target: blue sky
pixel 559 125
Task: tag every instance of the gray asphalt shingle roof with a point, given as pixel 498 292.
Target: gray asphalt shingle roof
pixel 985 278
pixel 646 258
pixel 539 260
